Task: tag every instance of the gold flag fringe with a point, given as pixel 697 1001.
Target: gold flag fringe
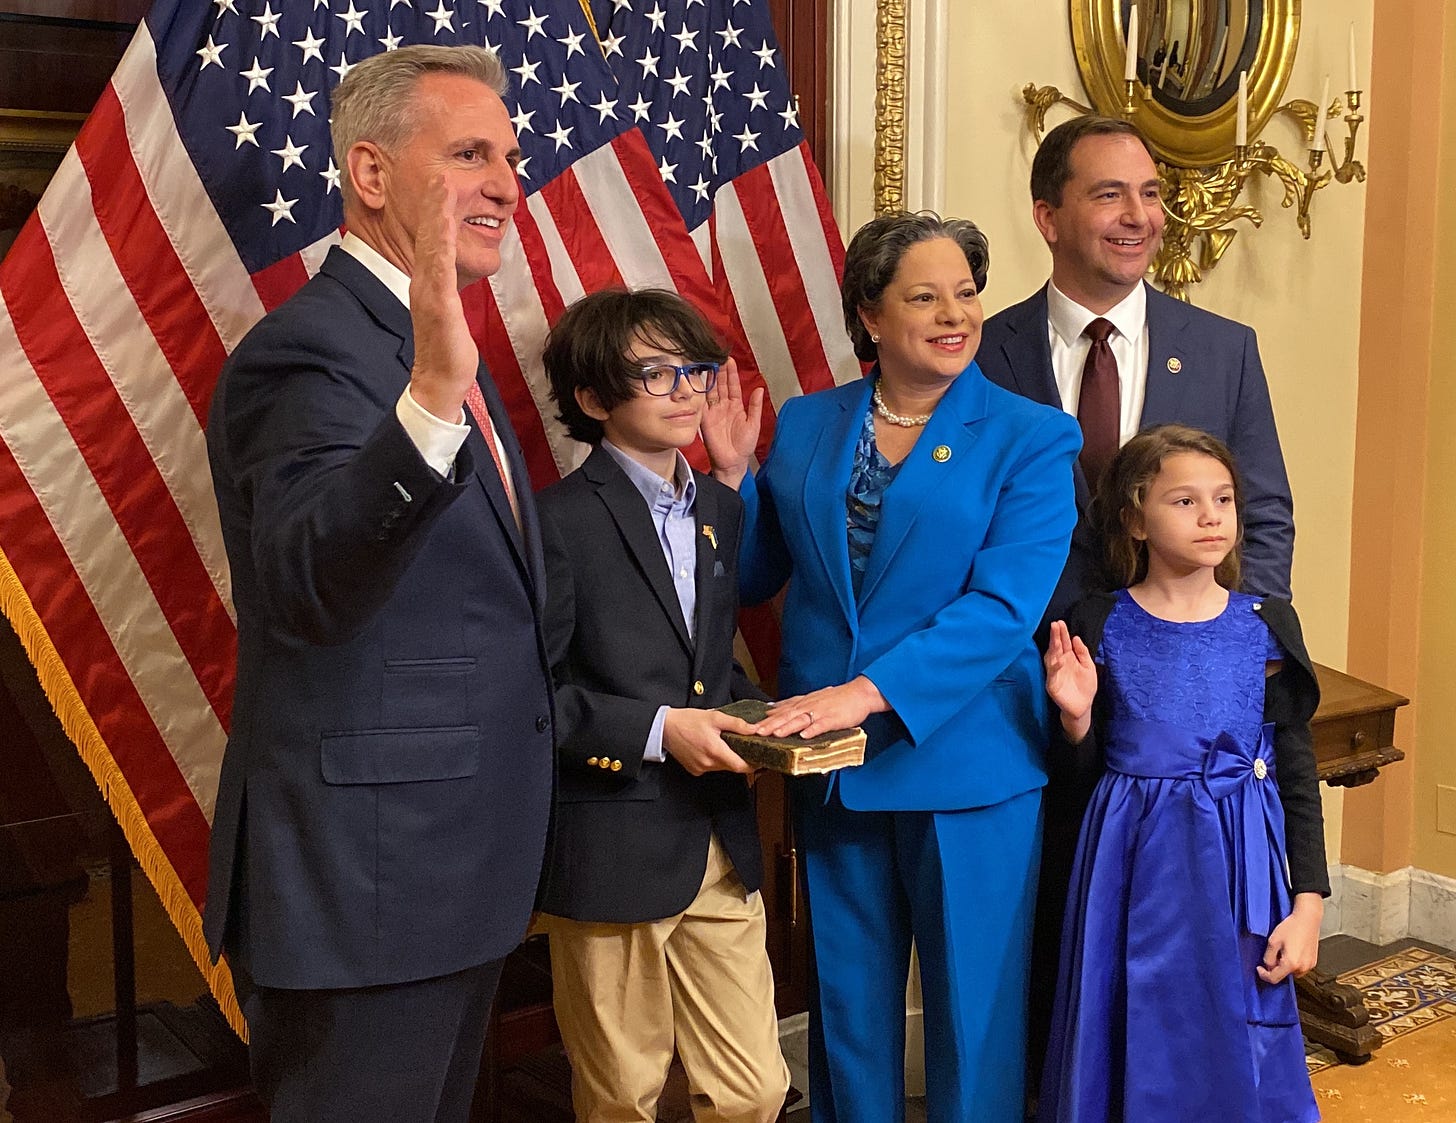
pixel 65 699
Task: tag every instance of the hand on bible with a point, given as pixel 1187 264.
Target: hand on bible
pixel 834 707
pixel 693 738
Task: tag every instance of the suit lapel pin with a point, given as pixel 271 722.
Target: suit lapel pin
pixel 711 535
pixel 1175 364
pixel 940 454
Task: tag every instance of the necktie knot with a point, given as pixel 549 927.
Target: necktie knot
pixel 1098 330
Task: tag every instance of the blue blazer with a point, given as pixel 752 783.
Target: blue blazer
pixel 382 811
pixel 972 537
pixel 1218 386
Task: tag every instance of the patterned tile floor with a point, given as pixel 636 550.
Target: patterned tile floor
pixel 1410 990
pixel 1404 992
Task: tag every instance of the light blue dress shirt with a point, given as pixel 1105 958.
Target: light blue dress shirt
pixel 670 504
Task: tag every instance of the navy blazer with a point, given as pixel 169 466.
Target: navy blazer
pixel 382 809
pixel 1203 371
pixel 631 838
pixel 973 534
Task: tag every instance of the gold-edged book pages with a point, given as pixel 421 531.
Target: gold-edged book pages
pixel 793 756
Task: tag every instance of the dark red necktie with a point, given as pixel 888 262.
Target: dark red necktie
pixel 1099 407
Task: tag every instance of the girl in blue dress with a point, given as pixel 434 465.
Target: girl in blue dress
pixel 1198 888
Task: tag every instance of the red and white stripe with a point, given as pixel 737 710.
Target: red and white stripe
pixel 121 298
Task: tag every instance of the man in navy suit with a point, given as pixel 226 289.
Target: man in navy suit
pixel 382 811
pixel 1096 201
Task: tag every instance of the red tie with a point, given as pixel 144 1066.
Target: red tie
pixel 1099 407
pixel 475 402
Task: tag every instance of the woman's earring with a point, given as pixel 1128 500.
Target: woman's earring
pixel 874 338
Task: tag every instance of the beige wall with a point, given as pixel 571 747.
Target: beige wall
pixel 1302 297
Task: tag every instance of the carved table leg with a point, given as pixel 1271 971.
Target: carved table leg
pixel 1333 1014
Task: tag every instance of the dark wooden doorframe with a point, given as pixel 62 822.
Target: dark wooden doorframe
pixel 803 30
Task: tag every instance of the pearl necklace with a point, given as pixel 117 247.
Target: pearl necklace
pixel 894 418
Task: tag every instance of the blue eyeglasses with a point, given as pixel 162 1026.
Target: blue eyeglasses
pixel 661 379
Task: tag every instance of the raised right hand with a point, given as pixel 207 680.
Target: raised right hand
pixel 1071 679
pixel 730 426
pixel 446 357
pixel 693 738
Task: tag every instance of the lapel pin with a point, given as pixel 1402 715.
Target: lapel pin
pixel 1175 364
pixel 940 454
pixel 711 535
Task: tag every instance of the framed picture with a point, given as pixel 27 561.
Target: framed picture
pixel 31 147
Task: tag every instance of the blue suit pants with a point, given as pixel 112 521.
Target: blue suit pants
pixel 962 885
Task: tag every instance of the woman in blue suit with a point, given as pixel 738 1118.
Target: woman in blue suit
pixel 920 518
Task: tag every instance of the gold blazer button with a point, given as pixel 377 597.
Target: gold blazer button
pixel 616 766
pixel 591 762
pixel 941 454
pixel 698 686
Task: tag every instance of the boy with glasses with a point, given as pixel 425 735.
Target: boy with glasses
pixel 656 925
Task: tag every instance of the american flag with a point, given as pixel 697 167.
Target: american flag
pixel 202 192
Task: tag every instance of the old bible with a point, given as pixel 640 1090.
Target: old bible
pixel 794 756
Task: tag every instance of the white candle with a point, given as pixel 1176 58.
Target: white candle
pixel 1241 136
pixel 1129 65
pixel 1321 108
pixel 1354 77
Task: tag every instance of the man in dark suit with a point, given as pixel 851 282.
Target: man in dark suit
pixel 1096 201
pixel 1102 344
pixel 657 928
pixel 382 811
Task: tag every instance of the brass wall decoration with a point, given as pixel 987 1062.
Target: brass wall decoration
pixel 1188 110
pixel 891 26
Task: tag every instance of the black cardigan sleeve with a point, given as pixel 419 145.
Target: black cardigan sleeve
pixel 1290 699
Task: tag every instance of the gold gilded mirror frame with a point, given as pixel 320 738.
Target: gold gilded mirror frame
pixel 1099 39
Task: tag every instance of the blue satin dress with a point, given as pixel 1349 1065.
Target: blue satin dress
pixel 1179 878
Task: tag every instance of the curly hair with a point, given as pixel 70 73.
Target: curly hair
pixel 874 255
pixel 1118 505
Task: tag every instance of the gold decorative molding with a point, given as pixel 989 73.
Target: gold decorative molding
pixel 891 29
pixel 1099 37
pixel 1202 166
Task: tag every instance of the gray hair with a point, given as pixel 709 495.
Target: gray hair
pixel 874 255
pixel 376 99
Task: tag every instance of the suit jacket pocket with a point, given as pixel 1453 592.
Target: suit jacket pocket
pixel 400 756
pixel 426 691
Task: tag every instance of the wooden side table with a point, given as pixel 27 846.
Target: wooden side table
pixel 1354 734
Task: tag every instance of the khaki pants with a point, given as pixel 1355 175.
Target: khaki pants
pixel 626 995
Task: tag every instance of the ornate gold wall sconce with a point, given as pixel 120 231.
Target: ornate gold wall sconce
pixel 1191 112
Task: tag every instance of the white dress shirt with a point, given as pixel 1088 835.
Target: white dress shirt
pixel 438 440
pixel 1066 330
